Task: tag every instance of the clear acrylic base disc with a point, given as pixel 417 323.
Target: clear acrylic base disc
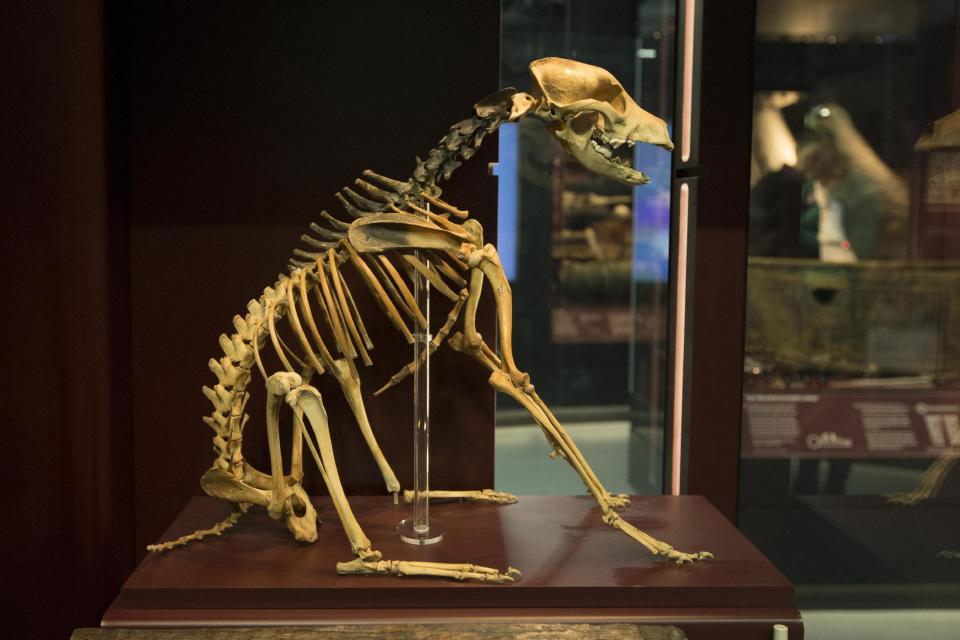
pixel 430 534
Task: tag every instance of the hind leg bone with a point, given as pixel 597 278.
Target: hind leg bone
pixel 305 401
pixel 287 501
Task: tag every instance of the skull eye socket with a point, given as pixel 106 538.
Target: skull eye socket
pixel 616 100
pixel 584 123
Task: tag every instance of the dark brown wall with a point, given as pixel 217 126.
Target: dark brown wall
pixel 719 260
pixel 244 121
pixel 158 165
pixel 67 535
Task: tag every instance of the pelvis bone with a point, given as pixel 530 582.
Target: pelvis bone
pixel 592 115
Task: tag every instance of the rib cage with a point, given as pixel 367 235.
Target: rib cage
pixel 315 301
pixel 316 269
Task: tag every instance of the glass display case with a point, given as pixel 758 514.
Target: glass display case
pixel 592 273
pixel 851 370
pixel 830 435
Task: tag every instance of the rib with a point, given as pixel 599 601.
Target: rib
pixel 375 192
pixel 348 206
pixel 290 352
pixel 344 309
pixel 430 275
pixel 344 345
pixel 433 346
pixel 256 350
pixel 449 208
pixel 438 220
pixel 313 242
pixel 271 325
pixel 323 306
pixel 446 269
pixel 311 324
pixel 387 282
pixel 404 291
pixel 327 233
pixel 310 255
pixel 337 224
pixel 368 343
pixel 368 205
pixel 373 283
pixel 455 259
pixel 400 188
pixel 294 320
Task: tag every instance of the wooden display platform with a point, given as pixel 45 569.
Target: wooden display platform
pixel 575 569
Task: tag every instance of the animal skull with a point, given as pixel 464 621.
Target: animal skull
pixel 592 116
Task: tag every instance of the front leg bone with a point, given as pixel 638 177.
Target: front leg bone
pixel 560 439
pixel 434 345
pixel 488 261
pixel 616 501
pixel 472 338
pixel 654 546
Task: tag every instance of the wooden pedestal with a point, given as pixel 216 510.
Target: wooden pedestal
pixel 575 569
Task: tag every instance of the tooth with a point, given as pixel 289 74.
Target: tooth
pixel 602 150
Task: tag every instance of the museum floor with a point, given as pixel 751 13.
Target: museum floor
pixel 523 467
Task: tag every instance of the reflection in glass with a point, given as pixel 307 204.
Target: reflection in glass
pixel 852 357
pixel 587 258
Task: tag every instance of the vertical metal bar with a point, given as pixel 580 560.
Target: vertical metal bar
pixel 679 337
pixel 686 100
pixel 718 175
pixel 421 406
pixel 682 255
pixel 420 529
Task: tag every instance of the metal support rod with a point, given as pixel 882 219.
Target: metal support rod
pixel 420 529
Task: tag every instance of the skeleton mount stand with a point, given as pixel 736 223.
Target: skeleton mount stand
pixel 421 529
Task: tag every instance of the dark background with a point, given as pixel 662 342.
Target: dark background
pixel 243 122
pixel 160 163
